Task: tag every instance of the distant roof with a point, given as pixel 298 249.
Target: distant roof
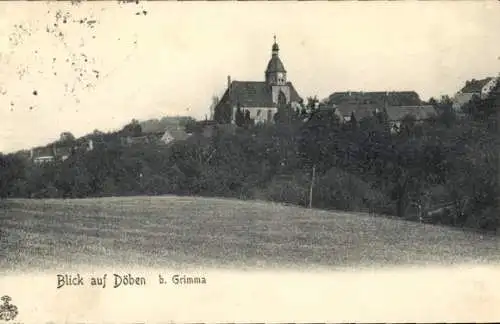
pixel 206 123
pixel 392 98
pixel 394 112
pixel 254 94
pixel 419 112
pixel 51 150
pixel 43 151
pixel 475 85
pixel 360 111
pixel 178 134
pixel 160 125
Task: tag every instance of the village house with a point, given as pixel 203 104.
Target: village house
pixel 397 114
pixel 58 152
pixel 156 138
pixel 154 131
pixel 171 136
pixel 474 88
pixel 396 105
pixel 381 98
pixel 261 100
pixel 142 139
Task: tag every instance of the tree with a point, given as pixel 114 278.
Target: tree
pixel 248 121
pixel 239 117
pixel 66 137
pixel 190 126
pixel 445 104
pixel 433 102
pixel 132 129
pixel 353 121
pixel 11 171
pixel 215 102
pixel 408 125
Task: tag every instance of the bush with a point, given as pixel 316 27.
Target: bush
pixel 338 189
pixel 487 219
pixel 286 189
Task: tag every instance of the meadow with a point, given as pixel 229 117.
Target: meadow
pixel 169 231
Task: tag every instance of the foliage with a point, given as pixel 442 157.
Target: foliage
pixel 444 170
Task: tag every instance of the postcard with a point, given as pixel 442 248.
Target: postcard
pixel 249 162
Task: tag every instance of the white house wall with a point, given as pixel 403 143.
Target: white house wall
pixel 461 99
pixel 485 91
pixel 259 118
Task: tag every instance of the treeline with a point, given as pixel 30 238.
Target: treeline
pixel 444 170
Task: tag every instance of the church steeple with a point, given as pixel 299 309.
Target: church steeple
pixel 275 72
pixel 275 48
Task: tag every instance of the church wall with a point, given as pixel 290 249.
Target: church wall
pixel 254 113
pixel 276 90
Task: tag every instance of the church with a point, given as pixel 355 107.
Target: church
pixel 261 100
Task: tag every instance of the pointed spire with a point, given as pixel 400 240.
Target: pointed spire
pixel 275 48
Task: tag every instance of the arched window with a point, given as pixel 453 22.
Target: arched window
pixel 281 99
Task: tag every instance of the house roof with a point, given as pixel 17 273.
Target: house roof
pixel 360 110
pixel 394 112
pixel 474 86
pixel 51 151
pixel 419 112
pixel 43 151
pixel 392 98
pixel 204 123
pixel 253 94
pixel 160 125
pixel 178 134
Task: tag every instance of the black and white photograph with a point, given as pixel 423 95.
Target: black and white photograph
pixel 249 161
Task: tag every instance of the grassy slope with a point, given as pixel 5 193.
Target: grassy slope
pixel 173 231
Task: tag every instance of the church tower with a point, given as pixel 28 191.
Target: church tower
pixel 265 101
pixel 276 80
pixel 275 72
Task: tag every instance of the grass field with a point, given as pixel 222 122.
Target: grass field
pixel 182 231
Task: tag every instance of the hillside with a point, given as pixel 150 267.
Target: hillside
pixel 170 231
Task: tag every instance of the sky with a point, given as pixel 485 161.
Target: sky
pixel 97 65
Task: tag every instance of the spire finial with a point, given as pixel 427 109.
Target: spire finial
pixel 275 47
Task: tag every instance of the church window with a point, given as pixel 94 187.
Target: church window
pixel 281 99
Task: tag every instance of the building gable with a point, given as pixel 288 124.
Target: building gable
pixel 475 86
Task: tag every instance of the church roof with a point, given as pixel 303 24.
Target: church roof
pixel 275 65
pixel 254 94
